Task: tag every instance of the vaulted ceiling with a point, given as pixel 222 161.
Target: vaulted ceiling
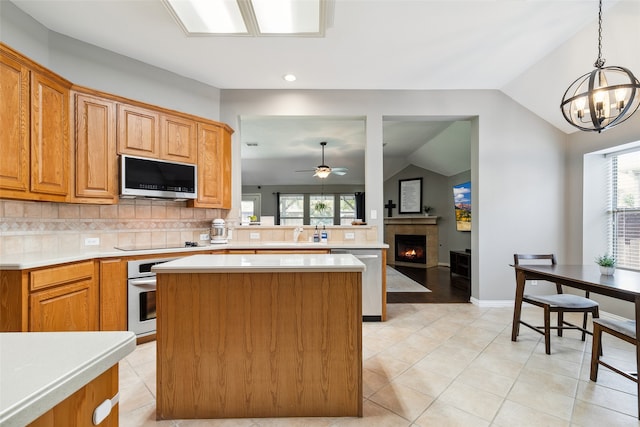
pixel 529 49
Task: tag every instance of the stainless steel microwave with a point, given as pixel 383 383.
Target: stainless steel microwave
pixel 151 178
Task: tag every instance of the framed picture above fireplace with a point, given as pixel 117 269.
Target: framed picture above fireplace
pixel 462 204
pixel 410 192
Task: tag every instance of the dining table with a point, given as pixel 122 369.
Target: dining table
pixel 623 285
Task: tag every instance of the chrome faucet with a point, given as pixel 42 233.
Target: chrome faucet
pixel 296 233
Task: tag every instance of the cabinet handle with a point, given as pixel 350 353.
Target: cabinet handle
pixel 104 409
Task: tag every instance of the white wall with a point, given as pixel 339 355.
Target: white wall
pixel 87 65
pixel 583 241
pixel 517 165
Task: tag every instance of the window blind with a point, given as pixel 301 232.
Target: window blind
pixel 624 208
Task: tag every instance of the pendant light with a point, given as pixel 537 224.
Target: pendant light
pixel 603 98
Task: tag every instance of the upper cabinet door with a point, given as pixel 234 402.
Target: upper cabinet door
pixel 214 167
pixel 178 139
pixel 95 165
pixel 49 137
pixel 14 125
pixel 138 131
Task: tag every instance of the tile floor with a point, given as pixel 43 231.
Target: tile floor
pixel 447 365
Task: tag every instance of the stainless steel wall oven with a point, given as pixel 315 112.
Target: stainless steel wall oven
pixel 141 312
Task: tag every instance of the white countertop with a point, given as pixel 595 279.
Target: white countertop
pixel 38 370
pixel 263 263
pixel 24 261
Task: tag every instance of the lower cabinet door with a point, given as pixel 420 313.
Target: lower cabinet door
pixel 70 307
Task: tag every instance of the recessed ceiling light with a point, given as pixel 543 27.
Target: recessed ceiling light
pixel 289 77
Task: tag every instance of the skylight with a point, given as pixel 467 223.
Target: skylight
pixel 250 17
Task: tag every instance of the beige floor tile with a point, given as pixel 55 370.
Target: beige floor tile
pixel 143 417
pixel 543 380
pixel 402 400
pixel 442 415
pixel 548 363
pixel 134 397
pixel 472 400
pixel 588 415
pixel 424 380
pixel 611 399
pixel 372 382
pixel 486 380
pixel 499 364
pixel 513 414
pixel 386 366
pixel 374 415
pixel 232 422
pixel 541 399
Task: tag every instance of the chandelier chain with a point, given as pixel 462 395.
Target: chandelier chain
pixel 599 62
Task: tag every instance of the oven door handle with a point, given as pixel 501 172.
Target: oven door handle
pixel 146 282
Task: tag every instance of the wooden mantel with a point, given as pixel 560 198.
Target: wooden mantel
pixel 418 225
pixel 405 220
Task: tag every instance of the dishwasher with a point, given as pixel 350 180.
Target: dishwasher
pixel 371 281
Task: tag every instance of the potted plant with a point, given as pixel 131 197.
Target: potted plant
pixel 320 207
pixel 607 264
pixel 427 209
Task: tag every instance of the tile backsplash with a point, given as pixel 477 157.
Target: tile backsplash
pixel 27 226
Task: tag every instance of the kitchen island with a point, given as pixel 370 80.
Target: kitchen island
pixel 60 378
pixel 259 336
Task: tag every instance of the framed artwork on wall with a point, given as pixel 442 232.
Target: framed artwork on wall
pixel 462 204
pixel 410 194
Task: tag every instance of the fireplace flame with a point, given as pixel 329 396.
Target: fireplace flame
pixel 410 254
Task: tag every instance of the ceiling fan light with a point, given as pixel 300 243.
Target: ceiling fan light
pixel 322 172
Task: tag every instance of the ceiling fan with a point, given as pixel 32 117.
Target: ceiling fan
pixel 323 171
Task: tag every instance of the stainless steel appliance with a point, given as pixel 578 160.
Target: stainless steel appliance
pixel 152 178
pixel 218 231
pixel 371 281
pixel 141 312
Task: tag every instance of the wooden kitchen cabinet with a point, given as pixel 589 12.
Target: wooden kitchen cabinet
pixel 138 131
pixel 14 120
pixel 63 298
pixel 35 138
pixel 214 167
pixel 77 409
pixel 95 161
pixel 113 294
pixel 178 140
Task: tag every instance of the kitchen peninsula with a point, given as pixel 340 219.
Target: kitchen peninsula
pixel 259 336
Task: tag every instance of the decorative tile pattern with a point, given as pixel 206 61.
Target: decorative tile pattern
pixel 29 226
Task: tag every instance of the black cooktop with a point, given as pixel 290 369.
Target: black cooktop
pixel 151 247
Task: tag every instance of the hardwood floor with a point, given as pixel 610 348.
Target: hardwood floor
pixel 436 279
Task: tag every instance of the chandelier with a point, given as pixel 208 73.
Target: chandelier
pixel 603 98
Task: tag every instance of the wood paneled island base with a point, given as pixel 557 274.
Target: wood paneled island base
pixel 263 344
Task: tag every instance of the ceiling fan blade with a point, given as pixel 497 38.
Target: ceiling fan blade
pixel 339 171
pixel 306 170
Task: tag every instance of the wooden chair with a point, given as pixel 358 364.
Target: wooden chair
pixel 559 303
pixel 624 330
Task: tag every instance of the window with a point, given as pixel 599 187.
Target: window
pixel 624 208
pixel 291 209
pixel 347 209
pixel 321 209
pixel 317 209
pixel 250 205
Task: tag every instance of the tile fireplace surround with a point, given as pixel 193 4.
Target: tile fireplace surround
pixel 418 225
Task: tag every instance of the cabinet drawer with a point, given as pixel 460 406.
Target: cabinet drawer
pixel 60 275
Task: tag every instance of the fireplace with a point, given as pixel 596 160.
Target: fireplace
pixel 411 248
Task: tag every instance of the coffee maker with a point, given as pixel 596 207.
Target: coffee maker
pixel 218 231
